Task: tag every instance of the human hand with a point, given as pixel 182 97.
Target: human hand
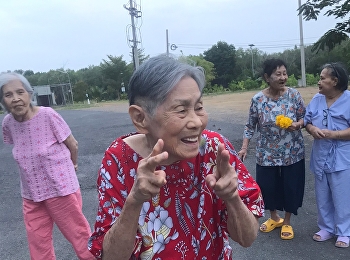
pixel 316 132
pixel 242 154
pixel 223 180
pixel 329 134
pixel 149 180
pixel 294 126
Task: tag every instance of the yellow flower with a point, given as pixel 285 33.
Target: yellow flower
pixel 283 121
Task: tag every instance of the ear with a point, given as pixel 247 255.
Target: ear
pixel 139 118
pixel 335 79
pixel 266 78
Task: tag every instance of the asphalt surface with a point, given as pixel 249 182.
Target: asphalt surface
pixel 95 130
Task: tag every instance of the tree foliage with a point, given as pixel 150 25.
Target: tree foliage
pixel 222 63
pixel 223 56
pixel 311 9
pixel 113 70
pixel 206 65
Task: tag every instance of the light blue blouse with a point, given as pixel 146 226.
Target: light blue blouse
pixel 329 155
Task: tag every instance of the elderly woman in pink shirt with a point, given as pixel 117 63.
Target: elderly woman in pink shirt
pixel 46 153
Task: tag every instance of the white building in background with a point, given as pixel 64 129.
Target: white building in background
pixel 43 96
pixel 52 95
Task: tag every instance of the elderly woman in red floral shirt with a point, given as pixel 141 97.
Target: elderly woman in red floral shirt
pixel 172 190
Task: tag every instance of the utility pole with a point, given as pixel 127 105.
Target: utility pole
pixel 251 49
pixel 302 52
pixel 134 13
pixel 167 43
pixel 70 85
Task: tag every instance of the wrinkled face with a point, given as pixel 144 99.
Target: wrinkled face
pixel 327 83
pixel 180 120
pixel 278 78
pixel 16 99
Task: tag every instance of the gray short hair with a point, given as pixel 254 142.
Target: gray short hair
pixel 5 78
pixel 151 83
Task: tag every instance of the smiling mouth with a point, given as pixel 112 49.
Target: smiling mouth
pixel 190 140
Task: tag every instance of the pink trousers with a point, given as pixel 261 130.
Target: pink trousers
pixel 66 213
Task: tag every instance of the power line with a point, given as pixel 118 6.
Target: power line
pixel 258 45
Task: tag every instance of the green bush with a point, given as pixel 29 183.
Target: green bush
pixel 251 84
pixel 236 86
pixel 263 85
pixel 124 96
pixel 292 81
pixel 214 89
pixel 312 79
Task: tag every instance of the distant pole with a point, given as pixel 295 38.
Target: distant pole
pixel 167 43
pixel 133 13
pixel 70 85
pixel 302 51
pixel 251 49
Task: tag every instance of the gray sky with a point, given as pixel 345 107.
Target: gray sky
pixel 73 34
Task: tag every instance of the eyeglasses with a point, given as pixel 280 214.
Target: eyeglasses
pixel 334 69
pixel 325 117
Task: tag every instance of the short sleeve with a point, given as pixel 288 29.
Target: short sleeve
pixel 59 127
pixel 249 128
pixel 6 132
pixel 112 192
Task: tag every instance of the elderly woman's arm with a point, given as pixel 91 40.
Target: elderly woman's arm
pixel 119 241
pixel 338 134
pixel 72 145
pixel 242 225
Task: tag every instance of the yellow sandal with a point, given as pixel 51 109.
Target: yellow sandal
pixel 270 225
pixel 287 229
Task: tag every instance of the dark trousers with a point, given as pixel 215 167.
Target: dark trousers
pixel 282 187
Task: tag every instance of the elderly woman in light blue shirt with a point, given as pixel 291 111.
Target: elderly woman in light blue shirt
pixel 327 119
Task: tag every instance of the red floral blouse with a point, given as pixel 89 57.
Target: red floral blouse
pixel 186 220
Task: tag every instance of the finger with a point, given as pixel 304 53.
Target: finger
pixel 210 179
pixel 226 186
pixel 157 156
pixel 159 178
pixel 222 160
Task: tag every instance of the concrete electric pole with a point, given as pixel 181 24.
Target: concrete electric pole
pixel 134 13
pixel 302 51
pixel 251 49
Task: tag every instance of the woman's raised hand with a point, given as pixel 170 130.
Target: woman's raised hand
pixel 148 180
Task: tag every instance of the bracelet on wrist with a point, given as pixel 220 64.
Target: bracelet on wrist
pixel 245 148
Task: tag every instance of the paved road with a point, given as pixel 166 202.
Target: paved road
pixel 94 131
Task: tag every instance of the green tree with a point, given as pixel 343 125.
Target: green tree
pixel 340 9
pixel 223 56
pixel 141 55
pixel 206 65
pixel 80 90
pixel 114 71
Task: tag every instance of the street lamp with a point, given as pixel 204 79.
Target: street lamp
pixel 251 49
pixel 70 85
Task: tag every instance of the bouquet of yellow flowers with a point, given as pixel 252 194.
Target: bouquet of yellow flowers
pixel 283 121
